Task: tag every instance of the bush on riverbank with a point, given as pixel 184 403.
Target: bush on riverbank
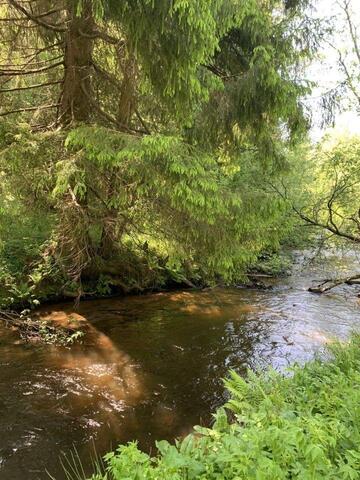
pixel 306 426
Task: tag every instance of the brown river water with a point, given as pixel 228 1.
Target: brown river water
pixel 153 365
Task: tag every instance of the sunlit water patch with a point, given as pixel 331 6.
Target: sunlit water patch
pixel 152 366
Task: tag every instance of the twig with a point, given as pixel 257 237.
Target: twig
pixel 29 109
pixel 29 87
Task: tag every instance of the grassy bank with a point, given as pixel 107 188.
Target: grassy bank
pixel 303 426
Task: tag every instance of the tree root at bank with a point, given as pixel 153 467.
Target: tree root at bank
pixel 38 330
pixel 330 283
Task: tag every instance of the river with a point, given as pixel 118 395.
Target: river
pixel 153 364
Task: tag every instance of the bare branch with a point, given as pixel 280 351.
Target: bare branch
pixel 29 72
pixel 109 117
pixel 37 19
pixel 41 15
pixel 104 114
pixel 29 109
pixel 103 36
pixel 348 77
pixel 30 87
pixel 352 29
pixel 314 220
pixel 142 121
pixel 107 75
pixel 29 64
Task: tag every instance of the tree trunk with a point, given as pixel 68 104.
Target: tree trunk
pixel 127 93
pixel 113 232
pixel 74 102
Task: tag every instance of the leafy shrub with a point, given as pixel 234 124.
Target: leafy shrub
pixel 304 426
pixel 273 263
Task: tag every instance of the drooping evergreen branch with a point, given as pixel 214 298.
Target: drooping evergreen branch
pixel 26 26
pixel 28 2
pixel 31 57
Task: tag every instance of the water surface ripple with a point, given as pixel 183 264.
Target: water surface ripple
pixel 153 366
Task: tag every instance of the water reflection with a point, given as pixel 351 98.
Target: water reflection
pixel 151 367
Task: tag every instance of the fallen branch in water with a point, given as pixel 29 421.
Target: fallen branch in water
pixel 331 283
pixel 26 327
pixel 10 317
pixel 37 329
pixel 260 275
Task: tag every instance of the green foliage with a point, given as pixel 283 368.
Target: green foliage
pixel 261 87
pixel 179 200
pixel 338 187
pixel 273 263
pixel 172 39
pixel 188 106
pixel 328 198
pixel 304 426
pixel 36 329
pixel 55 335
pixel 235 53
pixel 26 213
pixel 172 212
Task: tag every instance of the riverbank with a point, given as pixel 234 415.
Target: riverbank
pixel 117 384
pixel 305 426
pixel 21 312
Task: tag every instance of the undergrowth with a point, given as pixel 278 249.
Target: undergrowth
pixel 303 426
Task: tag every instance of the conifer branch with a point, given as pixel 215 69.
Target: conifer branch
pixel 29 109
pixel 30 87
pixel 107 75
pixel 41 15
pixel 37 51
pixel 103 36
pixel 29 72
pixel 36 19
pixel 142 121
pixel 28 64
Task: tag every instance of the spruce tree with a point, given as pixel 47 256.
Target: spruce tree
pixel 154 124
